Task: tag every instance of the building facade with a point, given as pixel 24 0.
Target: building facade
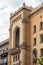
pixel 26 36
pixel 4 52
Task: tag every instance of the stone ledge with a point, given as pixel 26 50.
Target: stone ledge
pixel 14 51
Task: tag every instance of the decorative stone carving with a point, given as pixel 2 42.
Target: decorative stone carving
pixel 24 21
pixel 17 18
pixel 14 51
pixel 24 46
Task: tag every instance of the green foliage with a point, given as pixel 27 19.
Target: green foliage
pixel 40 61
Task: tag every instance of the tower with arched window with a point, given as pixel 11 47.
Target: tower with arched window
pixel 19 44
pixel 26 36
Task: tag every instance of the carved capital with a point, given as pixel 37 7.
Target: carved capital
pixel 24 46
pixel 24 21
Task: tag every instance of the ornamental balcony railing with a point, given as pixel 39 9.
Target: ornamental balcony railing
pixel 14 51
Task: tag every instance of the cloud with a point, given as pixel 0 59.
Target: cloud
pixel 3 7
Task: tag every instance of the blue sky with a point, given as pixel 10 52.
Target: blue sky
pixel 8 6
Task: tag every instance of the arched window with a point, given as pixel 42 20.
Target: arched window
pixel 34 55
pixel 17 35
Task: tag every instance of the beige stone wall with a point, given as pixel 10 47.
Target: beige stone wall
pixel 20 20
pixel 35 20
pixel 26 25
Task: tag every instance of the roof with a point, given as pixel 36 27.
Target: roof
pixel 4 42
pixel 21 8
pixel 37 9
pixel 33 10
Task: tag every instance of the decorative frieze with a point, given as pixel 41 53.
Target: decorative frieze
pixel 17 18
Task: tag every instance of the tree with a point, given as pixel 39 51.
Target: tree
pixel 40 61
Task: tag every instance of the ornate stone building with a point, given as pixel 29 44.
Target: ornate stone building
pixel 4 52
pixel 26 36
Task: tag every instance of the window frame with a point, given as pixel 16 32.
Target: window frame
pixel 41 52
pixel 34 28
pixel 41 38
pixel 41 25
pixel 34 42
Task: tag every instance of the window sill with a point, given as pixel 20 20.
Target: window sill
pixel 34 45
pixel 34 33
pixel 41 42
pixel 41 29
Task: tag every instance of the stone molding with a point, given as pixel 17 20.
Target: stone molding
pixel 18 49
pixel 17 18
pixel 14 51
pixel 36 12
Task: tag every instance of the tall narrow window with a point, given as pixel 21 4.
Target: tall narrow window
pixel 41 52
pixel 41 25
pixel 34 41
pixel 17 38
pixel 34 28
pixel 41 38
pixel 16 57
pixel 34 55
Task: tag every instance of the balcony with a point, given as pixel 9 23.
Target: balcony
pixel 14 51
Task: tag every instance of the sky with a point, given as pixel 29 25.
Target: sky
pixel 6 8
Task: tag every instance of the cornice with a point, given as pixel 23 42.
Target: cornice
pixel 18 12
pixel 5 42
pixel 20 9
pixel 35 11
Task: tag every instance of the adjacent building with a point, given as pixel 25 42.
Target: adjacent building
pixel 26 36
pixel 4 52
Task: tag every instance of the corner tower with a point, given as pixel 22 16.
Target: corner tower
pixel 19 47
